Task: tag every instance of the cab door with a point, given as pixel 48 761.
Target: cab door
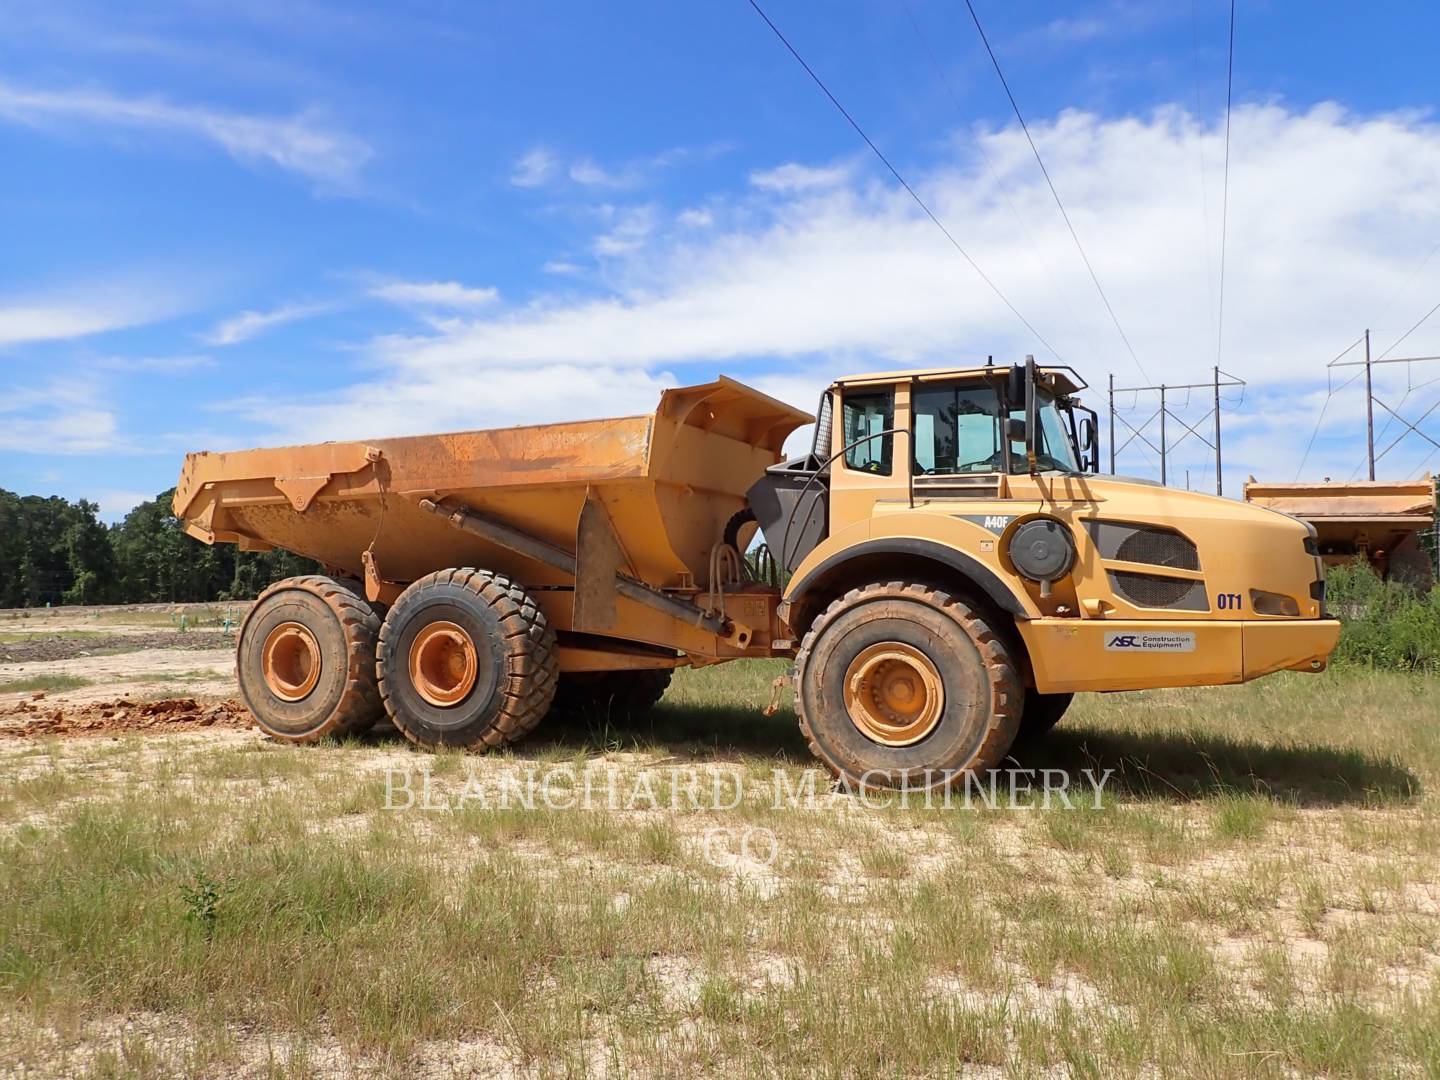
pixel 869 441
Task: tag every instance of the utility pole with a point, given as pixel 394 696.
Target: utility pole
pixel 1162 434
pixel 1369 412
pixel 1218 381
pixel 1219 478
pixel 1112 424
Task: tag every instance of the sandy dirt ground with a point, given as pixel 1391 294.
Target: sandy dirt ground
pixel 83 668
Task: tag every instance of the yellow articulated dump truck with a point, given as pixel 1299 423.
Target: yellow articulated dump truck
pixel 955 571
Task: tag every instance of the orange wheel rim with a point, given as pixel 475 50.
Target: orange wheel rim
pixel 894 694
pixel 290 659
pixel 443 664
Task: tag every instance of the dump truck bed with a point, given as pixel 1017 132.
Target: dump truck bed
pixel 668 480
pixel 1377 520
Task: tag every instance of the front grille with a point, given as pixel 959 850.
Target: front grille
pixel 1154 591
pixel 1144 544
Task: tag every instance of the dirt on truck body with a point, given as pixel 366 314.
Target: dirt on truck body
pixel 957 570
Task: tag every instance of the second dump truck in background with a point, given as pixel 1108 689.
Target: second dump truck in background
pixel 955 570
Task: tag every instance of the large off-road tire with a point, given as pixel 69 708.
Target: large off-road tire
pixel 903 685
pixel 1041 713
pixel 466 658
pixel 306 660
pixel 610 695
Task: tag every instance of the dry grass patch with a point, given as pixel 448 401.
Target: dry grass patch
pixel 1256 894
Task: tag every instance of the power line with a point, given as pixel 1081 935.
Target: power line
pixel 900 179
pixel 1403 286
pixel 1046 173
pixel 1390 420
pixel 1330 392
pixel 1225 185
pixel 1419 323
pixel 1200 146
pixel 990 165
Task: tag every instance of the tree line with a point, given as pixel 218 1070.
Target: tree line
pixel 53 551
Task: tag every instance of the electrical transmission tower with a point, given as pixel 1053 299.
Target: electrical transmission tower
pixel 1164 412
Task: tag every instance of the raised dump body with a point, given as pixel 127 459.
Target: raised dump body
pixel 1376 520
pixel 667 483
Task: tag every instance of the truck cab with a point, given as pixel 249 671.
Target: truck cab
pixel 981 485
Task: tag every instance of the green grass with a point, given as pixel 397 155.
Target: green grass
pixel 44 682
pixel 1254 897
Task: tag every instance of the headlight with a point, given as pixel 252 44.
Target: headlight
pixel 1269 603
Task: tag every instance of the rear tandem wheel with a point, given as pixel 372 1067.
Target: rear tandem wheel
pixel 305 659
pixel 466 658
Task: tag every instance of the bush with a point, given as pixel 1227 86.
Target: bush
pixel 1386 625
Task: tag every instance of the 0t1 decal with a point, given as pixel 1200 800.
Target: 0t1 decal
pixel 1228 601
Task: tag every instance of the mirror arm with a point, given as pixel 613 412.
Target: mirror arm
pixel 1030 415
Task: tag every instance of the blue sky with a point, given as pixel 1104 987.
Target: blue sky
pixel 231 225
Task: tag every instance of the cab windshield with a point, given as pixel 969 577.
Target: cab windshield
pixel 959 429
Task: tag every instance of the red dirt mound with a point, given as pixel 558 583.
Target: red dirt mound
pixel 34 718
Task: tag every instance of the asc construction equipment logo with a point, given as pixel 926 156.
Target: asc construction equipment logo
pixel 1149 641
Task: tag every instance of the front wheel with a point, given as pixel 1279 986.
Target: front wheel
pixel 904 686
pixel 467 659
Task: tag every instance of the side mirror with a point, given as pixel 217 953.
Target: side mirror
pixel 1015 430
pixel 1015 386
pixel 1089 445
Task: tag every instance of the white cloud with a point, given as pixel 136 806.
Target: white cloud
pixel 302 144
pixel 85 308
pixel 589 174
pixel 478 397
pixel 23 324
pixel 560 266
pixel 695 218
pixel 447 294
pixel 794 177
pixel 248 324
pixel 534 168
pixel 64 417
pixel 166 365
pixel 631 227
pixel 116 503
pixel 541 166
pixel 820 279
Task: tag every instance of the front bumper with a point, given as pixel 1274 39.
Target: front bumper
pixel 1146 654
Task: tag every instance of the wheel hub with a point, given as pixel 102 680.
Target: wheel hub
pixel 443 664
pixel 894 694
pixel 290 660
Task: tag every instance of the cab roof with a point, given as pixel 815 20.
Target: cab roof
pixel 1064 380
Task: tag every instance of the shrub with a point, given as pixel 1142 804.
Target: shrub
pixel 1386 625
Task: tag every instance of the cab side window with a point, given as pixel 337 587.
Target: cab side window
pixel 957 430
pixel 868 413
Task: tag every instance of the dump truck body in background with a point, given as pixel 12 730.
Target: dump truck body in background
pixel 1376 520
